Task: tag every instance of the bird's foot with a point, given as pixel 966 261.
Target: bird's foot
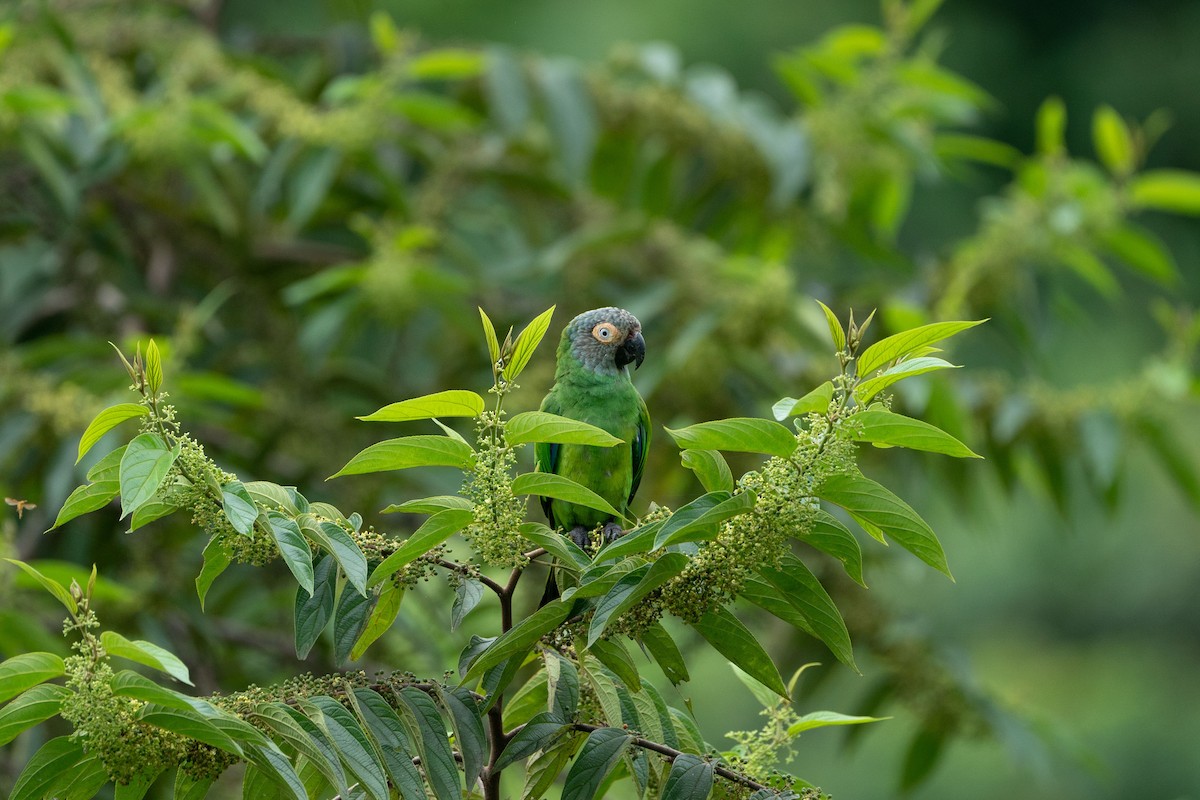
pixel 580 536
pixel 611 532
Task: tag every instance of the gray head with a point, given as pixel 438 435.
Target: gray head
pixel 605 340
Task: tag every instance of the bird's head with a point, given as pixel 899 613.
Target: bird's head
pixel 605 340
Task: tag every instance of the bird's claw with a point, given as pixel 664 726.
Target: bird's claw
pixel 580 536
pixel 612 531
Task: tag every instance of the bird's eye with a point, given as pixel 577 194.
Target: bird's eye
pixel 605 332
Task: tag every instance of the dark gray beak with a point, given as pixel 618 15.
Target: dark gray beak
pixel 632 351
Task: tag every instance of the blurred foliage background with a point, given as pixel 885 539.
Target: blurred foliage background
pixel 304 202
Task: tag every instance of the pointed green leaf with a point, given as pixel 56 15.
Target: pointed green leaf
pixel 711 469
pixel 306 737
pixel 85 499
pixel 381 618
pixel 271 496
pixel 896 430
pixel 601 751
pixel 630 590
pixel 691 778
pixel 1174 190
pixel 905 369
pixel 881 512
pixel 547 484
pixel 836 333
pixel 52 586
pixel 153 509
pixel 660 644
pixel 188 788
pixel 293 547
pixel 108 469
pixel 435 530
pixel 815 402
pixel 428 729
pixel 703 520
pixel 822 719
pixel 384 724
pixel 105 421
pixel 901 344
pixel 349 621
pixel 147 653
pixel 154 370
pixel 25 671
pixel 410 451
pixel 333 539
pixel 613 655
pixel 833 538
pixel 557 545
pixel 216 559
pixel 313 611
pixel 740 434
pixel 353 745
pixel 800 587
pixel 489 334
pixel 730 638
pixel 1113 143
pixel 239 506
pixel 429 505
pixel 562 684
pixel 466 596
pixel 526 343
pixel 53 760
pixel 539 426
pixel 29 708
pixel 539 733
pixel 452 403
pixel 520 639
pixel 189 723
pixel 469 736
pixel 144 467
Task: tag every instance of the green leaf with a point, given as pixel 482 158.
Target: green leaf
pixel 52 586
pixel 154 370
pixel 537 734
pixel 144 467
pixel 53 760
pixel 435 530
pixel 901 344
pixel 31 707
pixel 381 619
pixel 105 421
pixel 815 402
pixel 604 686
pixel 452 403
pixel 410 451
pixel 557 545
pixel 189 788
pixel 702 520
pixel 429 505
pixel 526 343
pixel 881 512
pixel 489 333
pixel 690 740
pixel 800 587
pixel 349 621
pixel 1051 124
pixel 966 147
pixel 1113 143
pixel 429 731
pixel 547 484
pixel 270 760
pixel 922 756
pixel 601 751
pixel 1173 190
pixel 1143 251
pixel 739 434
pixel 27 670
pixel 544 771
pixel 562 684
pixel 333 539
pixel 730 638
pixel 137 787
pixel 148 512
pixel 313 612
pixel 530 700
pixel 539 426
pixel 469 736
pixel 449 64
pixel 382 721
pixel 272 496
pixel 189 723
pixel 613 655
pixel 521 638
pixel 632 587
pixel 216 559
pixel 147 653
pixel 905 369
pixel 711 469
pixel 108 469
pixel 822 719
pixel 304 736
pixel 128 683
pixel 293 547
pixel 897 430
pixel 87 498
pixel 836 332
pixel 239 507
pixel 833 538
pixel 691 778
pixel 466 596
pixel 353 745
pixel 664 650
pixel 765 697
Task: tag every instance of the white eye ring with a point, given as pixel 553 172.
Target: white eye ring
pixel 605 332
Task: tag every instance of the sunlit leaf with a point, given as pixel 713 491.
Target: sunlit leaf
pixel 27 670
pixel 896 430
pixel 105 421
pixel 410 451
pixel 147 653
pixel 144 467
pixel 539 426
pixel 452 403
pixel 739 434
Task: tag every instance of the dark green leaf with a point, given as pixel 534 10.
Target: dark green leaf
pixel 53 760
pixel 730 638
pixel 740 434
pixel 435 530
pixel 520 639
pixel 429 731
pixel 802 589
pixel 144 467
pixel 691 778
pixel 833 538
pixel 239 507
pixel 306 737
pixel 546 484
pixel 216 559
pixel 701 518
pixel 350 619
pixel 922 756
pixel 466 597
pixel 388 730
pixel 562 684
pixel 146 653
pixel 410 451
pixel 630 590
pixel 537 734
pixel 189 788
pixel 600 753
pixel 559 546
pixel 30 708
pixel 613 655
pixel 666 653
pixel 293 547
pixel 353 745
pixel 468 731
pixel 334 539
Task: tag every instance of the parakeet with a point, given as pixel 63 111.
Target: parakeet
pixel 592 384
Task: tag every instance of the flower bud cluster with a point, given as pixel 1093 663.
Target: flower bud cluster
pixel 494 534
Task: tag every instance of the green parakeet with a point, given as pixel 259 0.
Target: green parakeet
pixel 592 384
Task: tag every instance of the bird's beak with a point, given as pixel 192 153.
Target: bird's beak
pixel 632 351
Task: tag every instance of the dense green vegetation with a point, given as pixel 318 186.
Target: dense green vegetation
pixel 306 227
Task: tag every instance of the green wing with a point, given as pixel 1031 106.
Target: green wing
pixel 641 446
pixel 545 456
